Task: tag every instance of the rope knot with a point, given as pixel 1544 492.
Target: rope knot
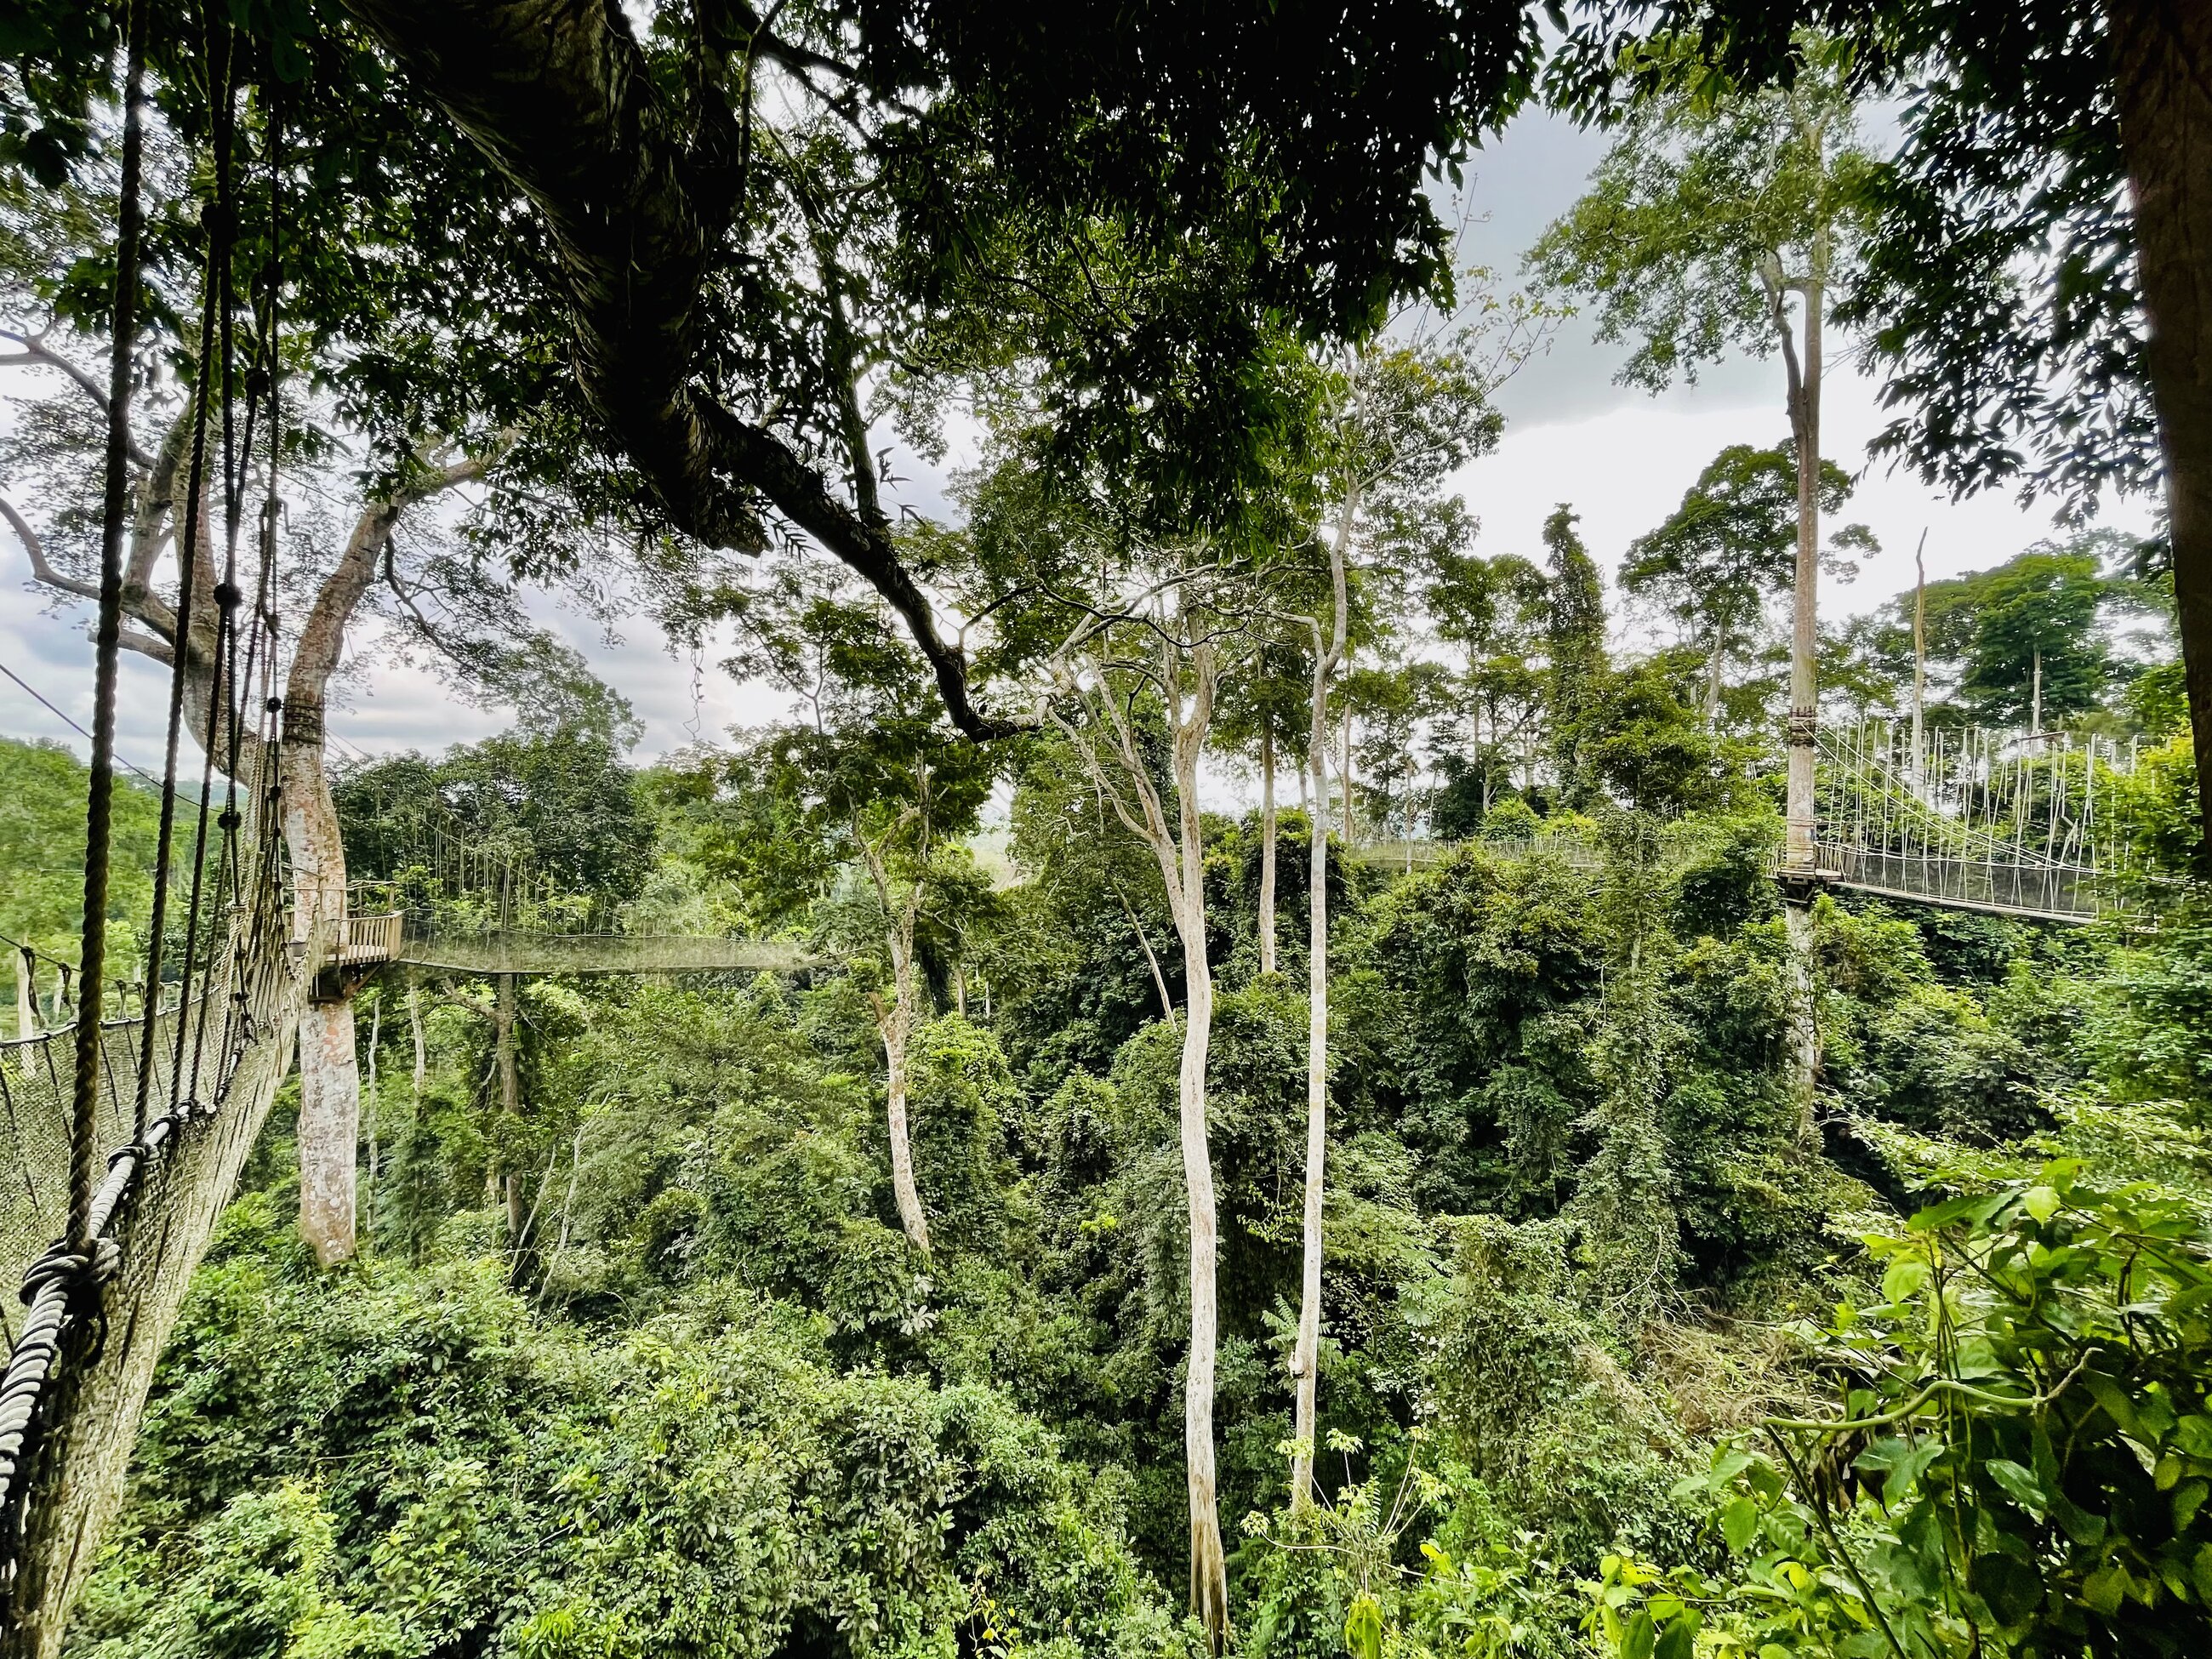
pixel 219 218
pixel 228 818
pixel 227 595
pixel 76 1272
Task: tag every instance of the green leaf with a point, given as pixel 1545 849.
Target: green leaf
pixel 1904 1275
pixel 2013 1588
pixel 2041 1202
pixel 1638 1640
pixel 2021 1484
pixel 1680 1639
pixel 1739 1524
pixel 2106 1590
pixel 1363 1627
pixel 2188 1498
pixel 1973 1207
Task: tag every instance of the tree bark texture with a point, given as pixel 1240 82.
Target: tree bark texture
pixel 1804 634
pixel 913 1220
pixel 1209 1573
pixel 1178 844
pixel 1804 1023
pixel 557 95
pixel 895 1024
pixel 2162 67
pixel 1305 1355
pixel 329 1080
pixel 1266 850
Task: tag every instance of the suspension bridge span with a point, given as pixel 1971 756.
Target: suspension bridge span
pixel 1999 823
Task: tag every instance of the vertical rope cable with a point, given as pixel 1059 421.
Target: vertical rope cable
pixel 263 381
pixel 91 960
pixel 222 690
pixel 188 553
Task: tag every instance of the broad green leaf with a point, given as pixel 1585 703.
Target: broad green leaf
pixel 1739 1524
pixel 1905 1276
pixel 1363 1627
pixel 2013 1588
pixel 2020 1484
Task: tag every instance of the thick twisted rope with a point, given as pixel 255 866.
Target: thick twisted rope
pixel 214 281
pixel 91 960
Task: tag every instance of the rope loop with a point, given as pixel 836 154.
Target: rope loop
pixel 79 1274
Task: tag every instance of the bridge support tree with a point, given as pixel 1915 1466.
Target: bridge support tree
pixel 329 1105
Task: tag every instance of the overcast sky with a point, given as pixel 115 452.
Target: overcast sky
pixel 1620 457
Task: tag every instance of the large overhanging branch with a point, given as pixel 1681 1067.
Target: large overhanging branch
pixel 558 95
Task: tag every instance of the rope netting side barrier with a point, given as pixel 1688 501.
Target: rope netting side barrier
pixel 84 1348
pixel 123 1139
pixel 2003 822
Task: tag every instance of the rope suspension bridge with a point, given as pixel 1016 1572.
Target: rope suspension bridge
pixel 2000 823
pixel 2006 823
pixel 455 899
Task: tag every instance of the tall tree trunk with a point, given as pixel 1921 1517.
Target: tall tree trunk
pixel 1714 672
pixel 369 1190
pixel 1800 858
pixel 1919 652
pixel 1804 634
pixel 895 1024
pixel 1305 1356
pixel 504 1022
pixel 1481 757
pixel 1344 771
pixel 2162 64
pixel 1266 849
pixel 1209 1571
pixel 1804 1022
pixel 330 1078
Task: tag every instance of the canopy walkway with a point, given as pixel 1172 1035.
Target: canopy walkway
pixel 2004 824
pixel 370 942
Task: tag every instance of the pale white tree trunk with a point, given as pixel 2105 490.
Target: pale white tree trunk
pixel 1182 867
pixel 1800 861
pixel 1804 636
pixel 1266 849
pixel 1178 845
pixel 329 1080
pixel 895 1024
pixel 1305 1355
pixel 1344 770
pixel 1209 1577
pixel 1919 652
pixel 506 1018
